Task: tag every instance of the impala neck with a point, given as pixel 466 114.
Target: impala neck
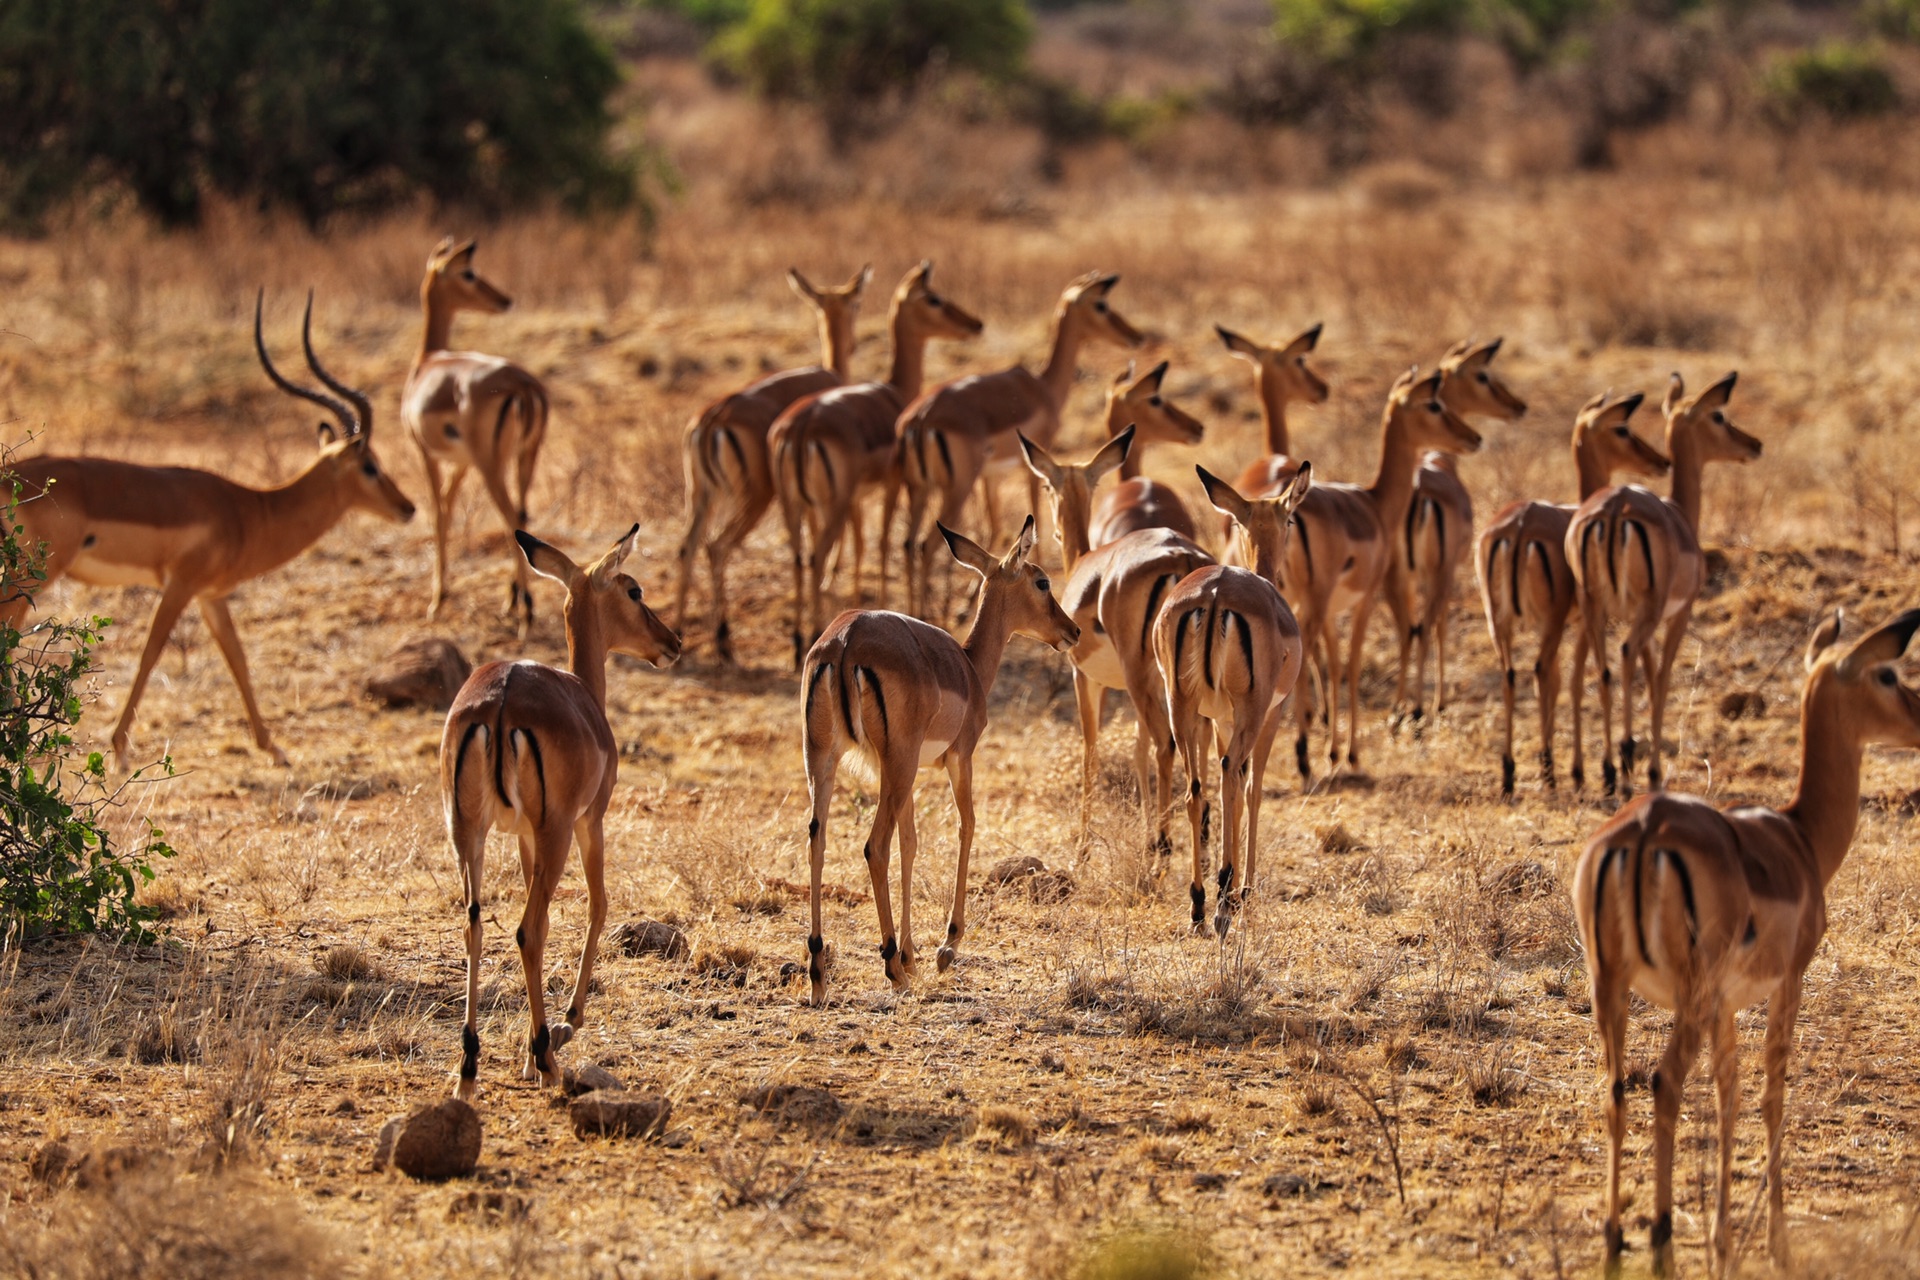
pixel 1393 485
pixel 287 520
pixel 1064 360
pixel 1826 805
pixel 1273 409
pixel 836 344
pixel 439 326
pixel 986 641
pixel 909 359
pixel 1593 473
pixel 1116 423
pixel 587 645
pixel 1688 467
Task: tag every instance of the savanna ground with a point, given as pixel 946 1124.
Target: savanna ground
pixel 1407 988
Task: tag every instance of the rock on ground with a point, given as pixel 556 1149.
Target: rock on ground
pixel 615 1113
pixel 434 1143
pixel 649 938
pixel 797 1102
pixel 590 1078
pixel 425 671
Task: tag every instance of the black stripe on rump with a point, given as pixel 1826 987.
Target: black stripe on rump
pixel 1306 544
pixel 1639 904
pixel 500 740
pixel 1679 865
pixel 1601 872
pixel 1179 648
pixel 1206 654
pixel 460 756
pixel 1546 563
pixel 813 687
pixel 1413 522
pixel 500 423
pixel 1154 593
pixel 1646 554
pixel 739 455
pixel 879 699
pixel 1440 528
pixel 826 463
pixel 1246 641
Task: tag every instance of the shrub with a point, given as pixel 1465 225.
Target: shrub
pixel 330 105
pixel 60 869
pixel 1350 31
pixel 850 54
pixel 1841 78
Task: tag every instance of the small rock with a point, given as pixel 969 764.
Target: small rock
pixel 590 1078
pixel 801 1103
pixel 489 1206
pixel 1283 1185
pixel 101 1166
pixel 618 1114
pixel 649 938
pixel 346 1106
pixel 434 1143
pixel 1008 870
pixel 1742 704
pixel 1522 880
pixel 425 671
pixel 1211 1181
pixel 52 1162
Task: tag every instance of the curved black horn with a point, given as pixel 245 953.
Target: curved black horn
pixel 327 402
pixel 359 401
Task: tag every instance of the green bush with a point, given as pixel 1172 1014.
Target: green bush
pixel 323 106
pixel 851 53
pixel 60 870
pixel 1349 31
pixel 1840 78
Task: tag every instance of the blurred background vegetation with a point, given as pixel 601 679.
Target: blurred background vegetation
pixel 341 107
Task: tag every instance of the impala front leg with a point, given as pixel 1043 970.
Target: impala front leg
pixel 542 1040
pixel 879 846
pixel 1782 1011
pixel 590 834
pixel 220 623
pixel 960 774
pixel 173 600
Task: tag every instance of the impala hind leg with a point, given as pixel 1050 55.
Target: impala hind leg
pixel 1610 1020
pixel 1546 683
pixel 960 774
pixel 699 508
pixel 590 833
pixel 1190 733
pixel 823 761
pixel 468 833
pixel 173 600
pixel 1577 692
pixel 1153 746
pixel 1724 1057
pixel 719 551
pixel 879 849
pixel 909 846
pixel 520 591
pixel 1356 644
pixel 550 857
pixel 1669 1089
pixel 441 502
pixel 1234 776
pixel 1660 683
pixel 1503 648
pixel 220 623
pixel 1086 697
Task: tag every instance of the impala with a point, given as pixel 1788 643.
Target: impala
pixel 905 695
pixel 1636 558
pixel 1229 652
pixel 1439 525
pixel 953 433
pixel 1338 564
pixel 729 480
pixel 1525 581
pixel 198 536
pixel 1707 911
pixel 830 448
pixel 467 410
pixel 1281 376
pixel 527 749
pixel 1138 502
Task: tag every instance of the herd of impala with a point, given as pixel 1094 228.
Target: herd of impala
pixel 1698 910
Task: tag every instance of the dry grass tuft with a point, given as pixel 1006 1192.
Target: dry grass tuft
pixel 1335 838
pixel 1147 1253
pixel 348 963
pixel 1008 1126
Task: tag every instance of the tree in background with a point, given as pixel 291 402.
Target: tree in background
pixel 850 55
pixel 323 106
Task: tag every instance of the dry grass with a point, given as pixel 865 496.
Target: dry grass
pixel 1406 976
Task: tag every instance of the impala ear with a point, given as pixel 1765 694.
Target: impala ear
pixel 1403 385
pixel 967 551
pixel 1122 379
pixel 1631 403
pixel 1040 462
pixel 801 285
pixel 440 250
pixel 1717 395
pixel 616 555
pixel 1022 545
pixel 1883 644
pixel 1493 348
pixel 1596 402
pixel 546 560
pixel 858 285
pixel 1237 344
pixel 1824 636
pixel 1112 454
pixel 1312 336
pixel 327 432
pixel 1155 376
pixel 1224 498
pixel 1676 387
pixel 1297 491
pixel 1458 350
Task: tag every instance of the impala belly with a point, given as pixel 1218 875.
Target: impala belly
pixel 949 716
pixel 1097 657
pixel 114 554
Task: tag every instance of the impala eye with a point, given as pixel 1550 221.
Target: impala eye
pixel 370 470
pixel 1099 306
pixel 634 594
pixel 1621 432
pixel 1888 678
pixel 1155 402
pixel 933 299
pixel 467 274
pixel 1719 416
pixel 1043 584
pixel 1433 406
pixel 1481 376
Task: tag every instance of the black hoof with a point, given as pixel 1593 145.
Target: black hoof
pixel 1506 776
pixel 1199 896
pixel 1609 780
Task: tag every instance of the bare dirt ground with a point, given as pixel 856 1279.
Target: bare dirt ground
pixel 1405 1003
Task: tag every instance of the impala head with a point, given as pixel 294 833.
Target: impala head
pixel 1602 432
pixel 1140 402
pixel 1281 372
pixel 627 625
pixel 1703 422
pixel 1860 685
pixel 1471 388
pixel 916 304
pixel 1263 523
pixel 1415 406
pixel 837 305
pixel 453 283
pixel 346 443
pixel 1086 305
pixel 1022 588
pixel 1070 489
